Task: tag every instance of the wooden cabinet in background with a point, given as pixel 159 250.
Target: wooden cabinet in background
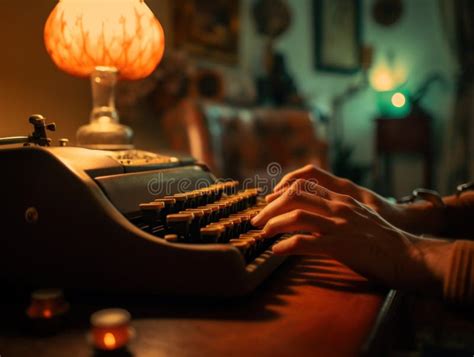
pixel 410 135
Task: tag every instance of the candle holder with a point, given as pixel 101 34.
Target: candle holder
pixel 110 329
pixel 46 311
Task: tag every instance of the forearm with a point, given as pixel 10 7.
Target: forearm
pixel 447 268
pixel 458 282
pixel 454 220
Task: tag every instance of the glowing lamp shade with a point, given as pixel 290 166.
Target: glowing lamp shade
pixel 106 40
pixel 83 34
pixel 382 80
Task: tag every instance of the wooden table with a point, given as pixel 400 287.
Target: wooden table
pixel 308 307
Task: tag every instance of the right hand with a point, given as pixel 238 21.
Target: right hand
pixel 326 222
pixel 396 214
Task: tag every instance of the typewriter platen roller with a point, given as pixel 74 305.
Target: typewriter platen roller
pixel 128 221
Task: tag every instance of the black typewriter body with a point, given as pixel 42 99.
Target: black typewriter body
pixel 71 219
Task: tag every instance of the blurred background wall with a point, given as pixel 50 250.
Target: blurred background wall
pixel 417 44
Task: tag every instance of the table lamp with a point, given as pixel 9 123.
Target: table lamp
pixel 106 40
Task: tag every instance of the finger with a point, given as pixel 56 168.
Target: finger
pixel 332 182
pixel 299 244
pixel 301 185
pixel 318 190
pixel 299 220
pixel 290 201
pixel 304 173
pixel 324 178
pixel 272 196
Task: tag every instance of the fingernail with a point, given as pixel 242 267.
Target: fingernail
pixel 255 220
pixel 276 249
pixel 268 198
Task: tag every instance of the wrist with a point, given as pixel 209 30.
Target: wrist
pixel 432 258
pixel 421 218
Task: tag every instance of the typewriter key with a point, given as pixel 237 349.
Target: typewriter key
pixel 200 198
pixel 231 205
pixel 252 241
pixel 211 194
pixel 237 223
pixel 243 200
pixel 181 201
pixel 207 194
pixel 152 212
pixel 192 199
pixel 180 224
pixel 172 238
pixel 220 209
pixel 206 218
pixel 245 221
pixel 214 217
pixel 230 187
pixel 227 188
pixel 258 233
pixel 228 223
pixel 169 204
pixel 212 233
pixel 227 234
pixel 198 214
pixel 240 202
pixel 152 206
pixel 226 207
pixel 253 195
pixel 243 246
pixel 219 190
pixel 260 239
pixel 196 224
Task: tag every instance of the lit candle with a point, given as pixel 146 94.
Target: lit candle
pixel 111 329
pixel 47 304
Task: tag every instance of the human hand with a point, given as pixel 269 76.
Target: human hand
pixel 396 214
pixel 354 234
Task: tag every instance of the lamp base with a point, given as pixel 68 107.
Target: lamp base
pixel 105 135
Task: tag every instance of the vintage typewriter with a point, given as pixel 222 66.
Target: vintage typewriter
pixel 126 221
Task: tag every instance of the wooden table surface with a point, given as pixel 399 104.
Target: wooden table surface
pixel 308 307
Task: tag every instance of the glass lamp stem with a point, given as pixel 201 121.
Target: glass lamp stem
pixel 103 81
pixel 104 130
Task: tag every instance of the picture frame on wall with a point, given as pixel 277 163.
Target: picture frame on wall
pixel 208 29
pixel 338 35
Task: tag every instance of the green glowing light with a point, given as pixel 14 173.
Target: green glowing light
pixel 393 103
pixel 398 100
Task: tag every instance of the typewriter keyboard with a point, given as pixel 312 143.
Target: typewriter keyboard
pixel 215 214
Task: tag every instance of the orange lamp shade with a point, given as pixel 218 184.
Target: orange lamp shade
pixel 81 35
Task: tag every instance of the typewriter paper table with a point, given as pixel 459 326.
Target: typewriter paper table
pixel 308 307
